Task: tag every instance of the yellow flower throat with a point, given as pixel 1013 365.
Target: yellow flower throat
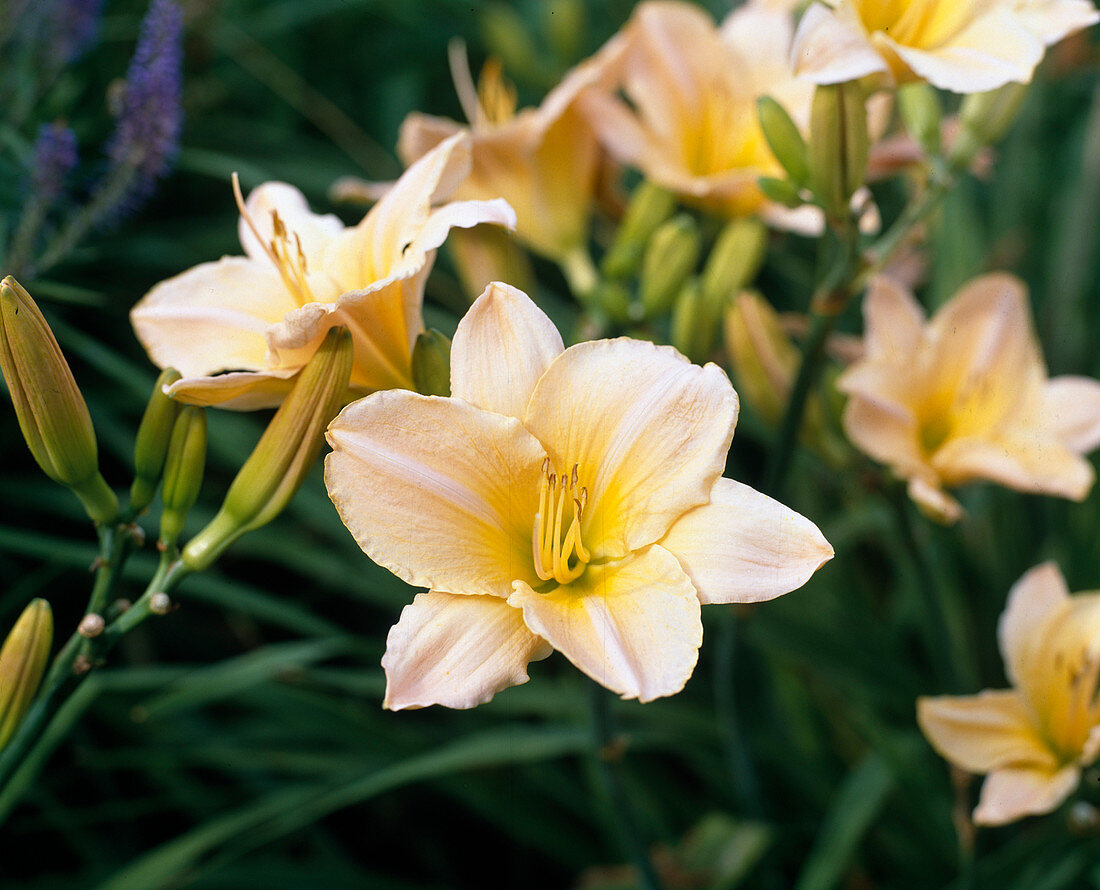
pixel 553 552
pixel 284 249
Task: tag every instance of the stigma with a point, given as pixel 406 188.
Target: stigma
pixel 559 555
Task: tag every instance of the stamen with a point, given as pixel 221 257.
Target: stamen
pixel 291 270
pixel 552 551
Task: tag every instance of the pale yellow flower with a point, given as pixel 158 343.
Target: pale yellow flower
pixel 561 498
pixel 544 161
pixel 965 396
pixel 691 123
pixel 240 328
pixel 966 46
pixel 1032 739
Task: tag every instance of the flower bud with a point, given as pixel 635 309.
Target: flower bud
pixel 692 330
pixel 839 144
pixel 763 358
pixel 151 444
pixel 22 660
pixel 566 24
pixel 734 261
pixel 784 139
pixel 782 191
pixel 183 469
pixel 670 257
pixel 508 37
pixel 983 119
pixel 613 299
pixel 922 115
pixel 431 364
pixel 284 455
pixel 649 206
pixel 51 411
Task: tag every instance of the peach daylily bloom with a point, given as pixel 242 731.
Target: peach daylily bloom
pixel 1034 739
pixel 544 161
pixel 241 328
pixel 966 46
pixel 966 396
pixel 691 124
pixel 567 499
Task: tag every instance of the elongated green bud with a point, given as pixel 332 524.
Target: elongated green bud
pixel 507 35
pixel 782 191
pixel 183 469
pixel 984 118
pixel 839 144
pixel 566 24
pixel 151 444
pixel 431 364
pixel 922 115
pixel 649 206
pixel 284 455
pixel 52 414
pixel 22 660
pixel 763 357
pixel 784 139
pixel 693 331
pixel 670 258
pixel 734 261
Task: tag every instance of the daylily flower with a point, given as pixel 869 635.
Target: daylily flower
pixel 1034 739
pixel 958 45
pixel 260 317
pixel 561 498
pixel 691 125
pixel 965 396
pixel 544 161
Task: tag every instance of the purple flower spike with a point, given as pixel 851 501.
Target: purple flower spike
pixel 55 155
pixel 73 25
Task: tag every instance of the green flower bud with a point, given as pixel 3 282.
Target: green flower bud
pixel 734 261
pixel 649 206
pixel 762 356
pixel 284 455
pixel 693 330
pixel 782 191
pixel 921 113
pixel 431 364
pixel 566 23
pixel 151 444
pixel 613 299
pixel 984 118
pixel 670 258
pixel 784 139
pixel 183 469
pixel 23 659
pixel 508 37
pixel 51 411
pixel 839 144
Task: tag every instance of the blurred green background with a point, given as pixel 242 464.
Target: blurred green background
pixel 240 742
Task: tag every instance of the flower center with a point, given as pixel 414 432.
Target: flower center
pixel 1082 710
pixel 284 249
pixel 496 95
pixel 554 549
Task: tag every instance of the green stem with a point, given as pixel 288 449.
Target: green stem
pixel 605 741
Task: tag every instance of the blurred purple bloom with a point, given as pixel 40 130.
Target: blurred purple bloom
pixel 150 109
pixel 73 26
pixel 55 155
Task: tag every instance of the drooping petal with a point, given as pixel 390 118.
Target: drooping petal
pixel 934 502
pixel 745 547
pixel 1033 602
pixel 1025 463
pixel 1051 20
pixel 1072 408
pixel 830 46
pixel 310 230
pixel 1014 792
pixel 456 651
pixel 212 317
pixel 439 492
pixel 648 430
pixel 633 625
pixel 236 391
pixel 984 732
pixel 501 348
pixel 884 429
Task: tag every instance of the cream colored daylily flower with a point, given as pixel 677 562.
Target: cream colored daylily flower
pixel 544 161
pixel 966 46
pixel 692 124
pixel 240 328
pixel 965 396
pixel 1032 739
pixel 561 498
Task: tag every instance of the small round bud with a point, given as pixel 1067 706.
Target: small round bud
pixel 1083 818
pixel 160 603
pixel 91 626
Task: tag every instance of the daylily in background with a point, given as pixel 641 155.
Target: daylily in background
pixel 259 318
pixel 567 499
pixel 691 123
pixel 1034 739
pixel 965 47
pixel 544 161
pixel 965 396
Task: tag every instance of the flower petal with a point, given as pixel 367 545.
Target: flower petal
pixel 1033 602
pixel 1051 20
pixel 934 502
pixel 884 429
pixel 745 547
pixel 1031 464
pixel 1012 793
pixel 312 231
pixel 633 625
pixel 1072 409
pixel 648 429
pixel 456 651
pixel 212 317
pixel 984 732
pixel 894 321
pixel 830 46
pixel 439 492
pixel 502 346
pixel 237 391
